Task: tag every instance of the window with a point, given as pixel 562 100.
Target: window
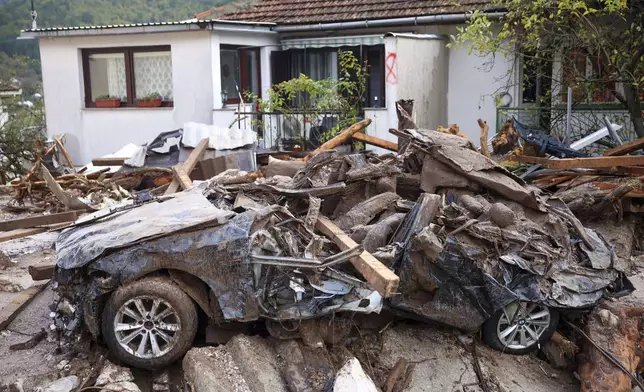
pixel 133 75
pixel 239 72
pixel 589 77
pixel 321 63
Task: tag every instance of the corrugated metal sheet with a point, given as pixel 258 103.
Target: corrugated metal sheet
pixel 333 42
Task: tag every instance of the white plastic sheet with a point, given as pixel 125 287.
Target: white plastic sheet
pixel 220 138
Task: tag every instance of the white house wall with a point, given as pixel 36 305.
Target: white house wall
pixel 93 132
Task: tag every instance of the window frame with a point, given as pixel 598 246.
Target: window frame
pixel 233 99
pixel 128 53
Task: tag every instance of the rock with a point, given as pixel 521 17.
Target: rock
pixel 427 243
pixel 465 340
pixel 111 374
pixel 502 215
pixel 472 205
pixel 5 261
pixel 257 363
pixel 608 318
pixel 61 365
pixel 14 283
pixel 352 378
pixel 124 386
pixel 66 384
pixel 213 369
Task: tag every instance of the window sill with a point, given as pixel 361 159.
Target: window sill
pixel 377 109
pixel 127 108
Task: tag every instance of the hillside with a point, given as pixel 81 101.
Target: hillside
pixel 14 16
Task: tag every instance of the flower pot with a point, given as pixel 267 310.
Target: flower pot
pixel 148 103
pixel 108 103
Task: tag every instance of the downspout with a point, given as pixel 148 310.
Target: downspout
pixel 414 21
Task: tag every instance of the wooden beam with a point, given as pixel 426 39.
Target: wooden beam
pixel 588 163
pixel 625 148
pixel 109 161
pixel 40 220
pixel 61 147
pixel 184 181
pixel 377 274
pixel 41 272
pixel 188 166
pixel 375 141
pixel 17 303
pixel 21 233
pixel 340 138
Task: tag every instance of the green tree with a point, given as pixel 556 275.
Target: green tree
pixel 597 46
pixel 21 136
pixel 344 96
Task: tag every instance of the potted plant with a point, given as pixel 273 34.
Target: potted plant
pixel 152 100
pixel 107 101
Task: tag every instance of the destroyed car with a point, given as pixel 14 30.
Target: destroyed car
pixel 473 248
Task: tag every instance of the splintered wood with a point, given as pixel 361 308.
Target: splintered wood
pixel 377 274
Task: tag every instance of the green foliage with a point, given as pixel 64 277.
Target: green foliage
pixel 344 95
pixel 14 16
pixel 151 97
pixel 603 36
pixel 21 132
pixel 105 98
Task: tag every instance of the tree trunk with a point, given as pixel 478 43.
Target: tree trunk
pixel 634 107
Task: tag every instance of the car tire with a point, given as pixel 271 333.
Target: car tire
pixel 149 323
pixel 533 326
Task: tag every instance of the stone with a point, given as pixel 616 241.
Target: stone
pixel 257 363
pixel 123 386
pixel 352 377
pixel 66 384
pixel 502 215
pixel 111 374
pixel 472 205
pixel 16 386
pixel 212 369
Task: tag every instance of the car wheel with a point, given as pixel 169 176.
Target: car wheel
pixel 150 323
pixel 520 328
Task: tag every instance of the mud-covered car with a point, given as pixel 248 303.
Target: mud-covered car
pixel 138 278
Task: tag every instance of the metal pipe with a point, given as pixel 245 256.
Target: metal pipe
pixel 415 20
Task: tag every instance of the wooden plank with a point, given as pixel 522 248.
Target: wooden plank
pixel 625 148
pixel 375 141
pixel 188 166
pixel 184 181
pixel 377 274
pixel 70 202
pixel 18 303
pixel 109 161
pixel 589 163
pixel 39 220
pixel 21 233
pixel 41 272
pixel 61 147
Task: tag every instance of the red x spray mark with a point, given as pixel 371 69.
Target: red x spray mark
pixel 390 65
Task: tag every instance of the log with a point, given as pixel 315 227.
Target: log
pixel 617 334
pixel 341 138
pixel 381 278
pixel 375 141
pixel 484 135
pixel 364 212
pixel 188 166
pixel 568 163
pixel 41 220
pixel 625 148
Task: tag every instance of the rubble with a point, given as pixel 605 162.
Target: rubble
pixel 66 384
pixel 436 232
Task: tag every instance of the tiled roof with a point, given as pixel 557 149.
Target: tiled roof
pixel 322 11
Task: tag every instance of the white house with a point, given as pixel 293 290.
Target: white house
pixel 198 65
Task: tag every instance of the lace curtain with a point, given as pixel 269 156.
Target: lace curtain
pixel 116 84
pixel 153 74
